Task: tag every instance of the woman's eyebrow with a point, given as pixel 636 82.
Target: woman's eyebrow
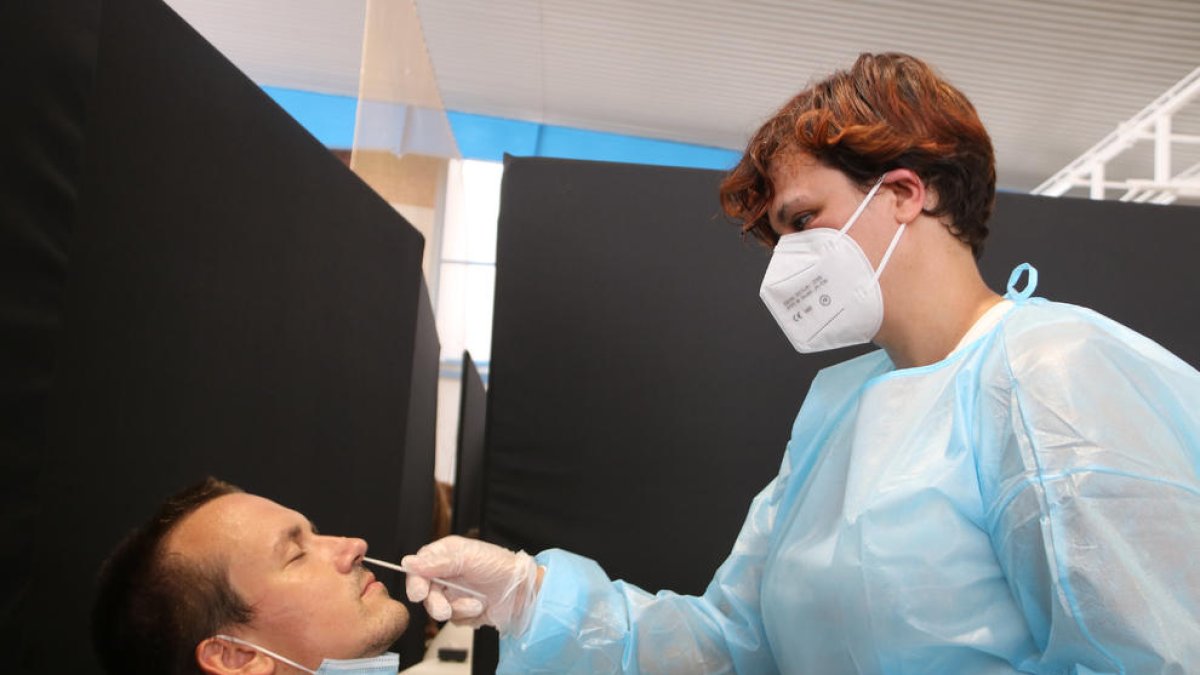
pixel 792 205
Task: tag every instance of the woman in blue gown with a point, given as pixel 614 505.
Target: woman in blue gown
pixel 1008 484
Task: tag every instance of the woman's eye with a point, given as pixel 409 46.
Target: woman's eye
pixel 296 557
pixel 802 220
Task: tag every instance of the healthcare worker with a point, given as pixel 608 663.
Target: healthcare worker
pixel 1008 484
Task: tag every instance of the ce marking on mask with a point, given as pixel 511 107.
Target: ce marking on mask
pixel 801 299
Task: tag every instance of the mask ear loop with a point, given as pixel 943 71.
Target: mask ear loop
pixel 862 206
pixel 266 651
pixel 888 253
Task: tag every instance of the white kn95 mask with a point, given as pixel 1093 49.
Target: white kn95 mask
pixel 821 288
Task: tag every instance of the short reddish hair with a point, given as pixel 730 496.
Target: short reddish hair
pixel 887 111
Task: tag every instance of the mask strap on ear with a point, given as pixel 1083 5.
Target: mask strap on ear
pixel 862 205
pixel 266 651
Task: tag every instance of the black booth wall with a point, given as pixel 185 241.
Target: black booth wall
pixel 46 66
pixel 639 393
pixel 415 487
pixel 467 512
pixel 191 285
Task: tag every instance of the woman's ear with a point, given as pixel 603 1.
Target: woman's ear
pixel 909 191
pixel 222 657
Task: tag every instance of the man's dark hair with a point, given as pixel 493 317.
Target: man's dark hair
pixel 152 609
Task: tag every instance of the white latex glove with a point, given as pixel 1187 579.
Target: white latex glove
pixel 508 580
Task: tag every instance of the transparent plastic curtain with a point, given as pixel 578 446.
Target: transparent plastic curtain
pixel 405 150
pixel 402 137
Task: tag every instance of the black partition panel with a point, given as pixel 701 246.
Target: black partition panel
pixel 46 75
pixel 417 473
pixel 468 469
pixel 237 303
pixel 640 394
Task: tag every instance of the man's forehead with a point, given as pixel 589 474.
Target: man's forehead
pixel 232 520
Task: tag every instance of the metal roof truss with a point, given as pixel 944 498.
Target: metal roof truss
pixel 1153 123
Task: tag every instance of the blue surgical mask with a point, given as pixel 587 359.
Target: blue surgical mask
pixel 384 664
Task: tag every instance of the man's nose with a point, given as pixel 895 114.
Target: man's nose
pixel 350 552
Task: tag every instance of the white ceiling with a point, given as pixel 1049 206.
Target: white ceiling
pixel 1049 78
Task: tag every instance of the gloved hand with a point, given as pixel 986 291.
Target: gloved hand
pixel 508 580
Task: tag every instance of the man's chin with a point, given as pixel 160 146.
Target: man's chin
pixel 394 623
pixel 401 619
pixel 397 620
pixel 394 610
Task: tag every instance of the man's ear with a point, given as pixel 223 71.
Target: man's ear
pixel 222 657
pixel 910 191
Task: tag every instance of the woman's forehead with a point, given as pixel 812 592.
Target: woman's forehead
pixel 797 174
pixel 792 166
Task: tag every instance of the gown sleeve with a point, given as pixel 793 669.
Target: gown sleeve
pixel 1097 520
pixel 585 623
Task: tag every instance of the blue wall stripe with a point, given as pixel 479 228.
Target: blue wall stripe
pixel 331 119
pixel 485 137
pixel 327 116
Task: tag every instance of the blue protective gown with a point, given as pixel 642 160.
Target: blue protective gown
pixel 1030 503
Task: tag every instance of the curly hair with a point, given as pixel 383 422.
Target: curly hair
pixel 887 111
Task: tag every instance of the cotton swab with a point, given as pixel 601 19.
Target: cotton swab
pixel 447 584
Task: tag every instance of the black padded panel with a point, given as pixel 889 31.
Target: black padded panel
pixel 469 468
pixel 238 303
pixel 47 52
pixel 417 474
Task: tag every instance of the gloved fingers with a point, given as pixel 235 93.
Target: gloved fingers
pixel 466 608
pixel 424 564
pixel 416 587
pixel 442 558
pixel 437 605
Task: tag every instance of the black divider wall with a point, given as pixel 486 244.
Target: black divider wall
pixel 237 304
pixel 468 480
pixel 640 394
pixel 416 476
pixel 46 74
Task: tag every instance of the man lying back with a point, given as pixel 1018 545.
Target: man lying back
pixel 222 581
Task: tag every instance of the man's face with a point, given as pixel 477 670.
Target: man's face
pixel 311 596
